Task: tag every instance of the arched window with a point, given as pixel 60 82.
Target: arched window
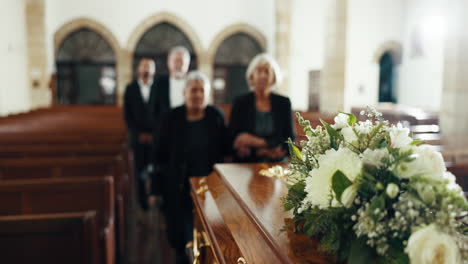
pixel 230 64
pixel 86 72
pixel 156 44
pixel 386 85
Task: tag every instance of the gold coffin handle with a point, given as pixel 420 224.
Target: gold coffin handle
pixel 197 244
pixel 241 260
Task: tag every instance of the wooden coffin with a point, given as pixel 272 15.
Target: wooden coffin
pixel 239 218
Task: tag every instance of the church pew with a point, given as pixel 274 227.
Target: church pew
pixel 50 238
pixel 60 150
pixel 53 138
pixel 43 196
pixel 71 167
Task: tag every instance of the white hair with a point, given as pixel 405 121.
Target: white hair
pixel 264 58
pixel 181 49
pixel 199 76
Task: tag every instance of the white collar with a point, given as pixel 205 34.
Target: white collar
pixel 141 84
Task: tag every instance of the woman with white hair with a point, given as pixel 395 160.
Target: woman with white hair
pixel 261 121
pixel 192 138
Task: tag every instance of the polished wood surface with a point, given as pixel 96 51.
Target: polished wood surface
pixel 248 208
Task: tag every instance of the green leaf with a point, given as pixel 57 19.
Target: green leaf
pixel 334 135
pixel 377 202
pixel 351 118
pixel 339 183
pixel 361 253
pixel 297 152
pixel 416 142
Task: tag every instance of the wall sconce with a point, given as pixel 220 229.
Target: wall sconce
pixel 36 76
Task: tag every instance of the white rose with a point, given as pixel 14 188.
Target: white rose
pixel 348 196
pixel 349 135
pixel 374 157
pixel 341 121
pixel 399 136
pixel 425 192
pixel 427 163
pixel 319 182
pixel 392 190
pixel 430 246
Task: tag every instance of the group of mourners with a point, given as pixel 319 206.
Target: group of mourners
pixel 175 134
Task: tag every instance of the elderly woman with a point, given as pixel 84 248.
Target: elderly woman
pixel 261 121
pixel 192 139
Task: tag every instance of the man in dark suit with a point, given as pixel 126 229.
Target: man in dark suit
pixel 171 87
pixel 170 92
pixel 141 113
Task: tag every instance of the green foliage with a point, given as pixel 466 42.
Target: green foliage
pixel 335 136
pixel 294 151
pixel 339 183
pixel 417 142
pixel 378 202
pixel 295 196
pixel 361 253
pixel 329 226
pixel 306 124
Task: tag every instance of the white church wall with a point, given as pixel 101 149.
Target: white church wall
pixel 14 93
pixel 421 73
pixel 371 24
pixel 307 32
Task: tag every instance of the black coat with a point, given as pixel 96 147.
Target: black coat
pixel 142 117
pixel 243 120
pixel 171 179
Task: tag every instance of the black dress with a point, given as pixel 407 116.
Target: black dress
pixel 246 118
pixel 186 149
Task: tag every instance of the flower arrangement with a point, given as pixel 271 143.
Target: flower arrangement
pixel 371 194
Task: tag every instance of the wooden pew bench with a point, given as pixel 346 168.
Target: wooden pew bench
pixel 76 167
pixel 43 196
pixel 70 238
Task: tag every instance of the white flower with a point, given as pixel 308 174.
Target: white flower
pixel 319 183
pixel 341 121
pixel 374 157
pixel 392 190
pixel 451 182
pixel 349 194
pixel 364 128
pixel 349 135
pixel 430 246
pixel 425 192
pixel 399 136
pixel 427 163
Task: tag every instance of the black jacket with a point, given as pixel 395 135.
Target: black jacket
pixel 170 177
pixel 243 120
pixel 139 116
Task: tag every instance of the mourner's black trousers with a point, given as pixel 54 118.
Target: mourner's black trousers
pixel 142 159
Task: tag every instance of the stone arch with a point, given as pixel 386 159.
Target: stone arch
pixel 79 23
pixel 83 23
pixel 147 24
pixel 231 30
pixel 393 47
pixel 158 18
